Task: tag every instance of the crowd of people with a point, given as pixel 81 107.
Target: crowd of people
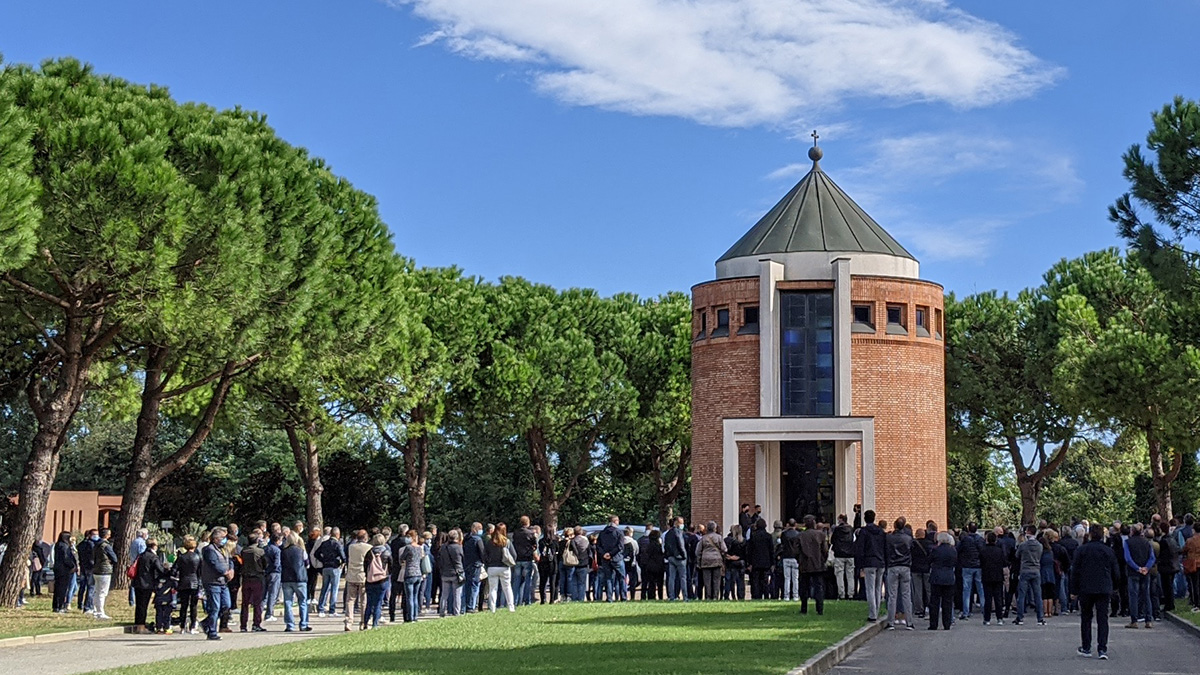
pixel 1132 571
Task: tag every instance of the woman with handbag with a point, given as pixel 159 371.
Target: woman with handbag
pixel 410 559
pixel 500 559
pixel 450 565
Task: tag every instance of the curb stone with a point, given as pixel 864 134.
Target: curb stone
pixel 825 660
pixel 1186 625
pixel 64 636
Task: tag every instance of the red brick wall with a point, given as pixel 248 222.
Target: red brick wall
pixel 899 380
pixel 724 384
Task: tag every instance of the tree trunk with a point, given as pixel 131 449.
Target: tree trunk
pixel 543 476
pixel 137 492
pixel 1029 488
pixel 1162 477
pixel 145 473
pixel 54 415
pixel 666 512
pixel 667 492
pixel 26 526
pixel 308 466
pixel 416 475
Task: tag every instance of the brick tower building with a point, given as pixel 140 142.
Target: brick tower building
pixel 817 369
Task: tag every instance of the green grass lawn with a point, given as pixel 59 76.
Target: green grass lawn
pixel 1184 612
pixel 635 637
pixel 36 618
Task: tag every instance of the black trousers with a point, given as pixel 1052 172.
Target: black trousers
pixel 652 584
pixel 142 602
pixel 187 599
pixel 812 584
pixel 397 594
pixel 1168 591
pixel 758 583
pixel 313 575
pixel 1096 603
pixel 993 600
pixel 62 591
pixel 548 577
pixel 941 604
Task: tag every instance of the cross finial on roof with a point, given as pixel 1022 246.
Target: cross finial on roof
pixel 815 153
pixel 815 137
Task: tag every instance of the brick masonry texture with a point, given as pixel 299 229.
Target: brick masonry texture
pixel 898 380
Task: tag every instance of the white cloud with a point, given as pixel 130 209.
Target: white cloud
pixel 742 62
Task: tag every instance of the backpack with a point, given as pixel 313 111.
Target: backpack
pixel 376 571
pixel 1179 538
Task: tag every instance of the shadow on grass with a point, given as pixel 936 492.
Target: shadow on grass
pixel 750 657
pixel 775 618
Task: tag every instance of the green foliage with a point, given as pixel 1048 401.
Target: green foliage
pixel 19 191
pixel 1098 482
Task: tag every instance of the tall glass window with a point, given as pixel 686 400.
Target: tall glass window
pixel 806 358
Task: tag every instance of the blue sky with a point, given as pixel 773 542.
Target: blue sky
pixel 625 144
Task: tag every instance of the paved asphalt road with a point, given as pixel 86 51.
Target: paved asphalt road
pixel 970 648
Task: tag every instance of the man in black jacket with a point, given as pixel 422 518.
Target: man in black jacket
pixel 842 542
pixel 869 557
pixel 993 565
pixel 1095 573
pixel 524 542
pixel 676 552
pixel 968 560
pixel 761 558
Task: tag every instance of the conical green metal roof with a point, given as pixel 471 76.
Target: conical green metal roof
pixel 816 215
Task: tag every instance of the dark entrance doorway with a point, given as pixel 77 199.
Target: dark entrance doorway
pixel 807 480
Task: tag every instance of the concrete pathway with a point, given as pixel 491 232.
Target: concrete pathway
pixel 82 656
pixel 970 648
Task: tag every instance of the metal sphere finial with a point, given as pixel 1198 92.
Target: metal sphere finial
pixel 815 153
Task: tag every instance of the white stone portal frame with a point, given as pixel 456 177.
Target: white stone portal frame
pixel 767 432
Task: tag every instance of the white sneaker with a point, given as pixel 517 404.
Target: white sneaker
pixel 336 614
pixel 104 617
pixel 321 614
pixel 270 618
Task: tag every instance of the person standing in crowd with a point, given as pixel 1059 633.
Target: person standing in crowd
pixel 691 537
pixel 294 578
pixel 789 554
pixel 356 579
pixel 150 571
pixel 1066 547
pixel 898 559
pixel 409 566
pixel 254 559
pixel 37 568
pixel 187 572
pixel 1139 557
pixel 735 565
pixel 215 572
pixel 1029 587
pixel 377 569
pixel 923 543
pixel 84 553
pixel 813 552
pixel 473 553
pixel 577 558
pixel 611 542
pixel 1095 571
pixel 104 560
pixel 870 550
pixel 1191 562
pixel 969 546
pixel 453 574
pixel 943 560
pixel 676 554
pixel 1049 576
pixel 136 548
pixel 548 568
pixel 316 537
pixel 653 561
pixel 524 542
pixel 993 565
pixel 332 556
pixel 842 541
pixel 500 560
pixel 633 574
pixel 272 575
pixel 710 560
pixel 66 567
pixel 761 558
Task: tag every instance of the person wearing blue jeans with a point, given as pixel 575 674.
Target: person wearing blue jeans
pixel 332 556
pixel 1139 556
pixel 294 576
pixel 215 573
pixel 412 597
pixel 330 579
pixel 676 553
pixel 579 582
pixel 972 573
pixel 295 592
pixel 470 587
pixel 1029 581
pixel 523 582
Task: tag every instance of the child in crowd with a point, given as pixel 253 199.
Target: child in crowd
pixel 164 604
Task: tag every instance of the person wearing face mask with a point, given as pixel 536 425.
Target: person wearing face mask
pixel 104 558
pixel 187 572
pixel 676 552
pixel 473 553
pixel 85 552
pixel 215 572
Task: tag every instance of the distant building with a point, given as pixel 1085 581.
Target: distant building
pixel 77 511
pixel 818 369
